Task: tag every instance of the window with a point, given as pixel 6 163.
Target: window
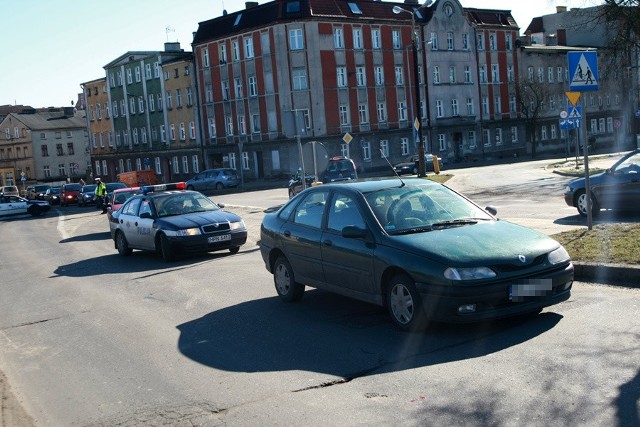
pixel 357 39
pixel 222 48
pixel 434 41
pixel 485 105
pixel 452 74
pixel 402 111
pixel 361 79
pixel 341 76
pixel 436 75
pixel 559 74
pixel 455 111
pixel 467 74
pixel 363 113
pixel 495 75
pixel 242 125
pixel 510 74
pixel 470 109
pixel 530 73
pixel 205 60
pixel 483 74
pixel 543 133
pixel 255 123
pixel 512 104
pixel 194 163
pixel 384 148
pixel 450 44
pixel 225 90
pixel 143 135
pixel 493 45
pixel 309 211
pixel 379 73
pixel 499 136
pixel 366 150
pixel 141 104
pixel 508 41
pixel 540 75
pixel 497 105
pixel 59 151
pixel 404 146
pixel 338 38
pixel 189 97
pixel 237 84
pixel 192 130
pixel 228 125
pixel 550 74
pixel 299 76
pixel 235 50
pixel 554 131
pixel 296 41
pixel 514 134
pixel 129 76
pixel 442 142
pixel 397 41
pixel 169 101
pixel 344 115
pixel 439 108
pixel 45 150
pixel 480 41
pixel 382 112
pixel 248 47
pixel 138 74
pixel 471 138
pixel 486 135
pixel 253 86
pixel 182 132
pixel 376 40
pixel 465 41
pixel 178 98
pixel 399 76
pixel 134 134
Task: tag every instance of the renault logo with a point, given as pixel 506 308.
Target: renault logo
pixel 522 258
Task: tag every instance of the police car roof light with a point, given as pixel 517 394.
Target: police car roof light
pixel 164 187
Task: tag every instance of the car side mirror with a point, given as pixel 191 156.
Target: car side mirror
pixel 492 210
pixel 353 232
pixel 220 204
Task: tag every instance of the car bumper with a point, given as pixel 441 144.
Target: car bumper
pixel 201 244
pixel 568 199
pixel 496 301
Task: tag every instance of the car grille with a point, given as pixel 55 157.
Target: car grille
pixel 516 266
pixel 216 227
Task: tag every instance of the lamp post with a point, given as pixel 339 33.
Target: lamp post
pixel 417 123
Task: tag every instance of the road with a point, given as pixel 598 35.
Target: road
pixel 94 339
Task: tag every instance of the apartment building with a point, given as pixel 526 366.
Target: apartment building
pixel 148 116
pixel 44 145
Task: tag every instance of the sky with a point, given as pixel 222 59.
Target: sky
pixel 51 47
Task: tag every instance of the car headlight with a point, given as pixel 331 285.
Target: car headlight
pixel 238 225
pixel 559 256
pixel 475 273
pixel 184 233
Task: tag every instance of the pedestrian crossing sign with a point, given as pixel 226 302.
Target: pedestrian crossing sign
pixel 583 71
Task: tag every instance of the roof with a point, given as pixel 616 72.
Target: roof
pixel 46 120
pixel 279 11
pixel 492 17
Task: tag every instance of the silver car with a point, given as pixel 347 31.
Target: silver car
pixel 214 179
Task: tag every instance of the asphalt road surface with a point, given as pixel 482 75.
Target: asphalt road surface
pixel 90 338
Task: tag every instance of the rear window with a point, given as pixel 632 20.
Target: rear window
pixel 72 187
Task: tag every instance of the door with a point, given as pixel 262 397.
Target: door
pixel 347 262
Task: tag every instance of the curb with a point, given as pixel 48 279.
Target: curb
pixel 608 274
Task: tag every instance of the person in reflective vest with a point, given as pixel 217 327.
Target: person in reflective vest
pixel 101 195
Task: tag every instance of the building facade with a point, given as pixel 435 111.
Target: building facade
pixel 150 116
pixel 44 146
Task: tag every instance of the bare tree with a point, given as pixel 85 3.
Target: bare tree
pixel 531 99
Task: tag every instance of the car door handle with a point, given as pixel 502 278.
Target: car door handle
pixel 287 233
pixel 327 242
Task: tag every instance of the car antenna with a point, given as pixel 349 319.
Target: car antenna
pixel 392 168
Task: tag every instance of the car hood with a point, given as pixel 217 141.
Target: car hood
pixel 199 219
pixel 593 180
pixel 484 243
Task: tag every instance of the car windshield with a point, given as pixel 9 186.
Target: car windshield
pixel 184 203
pixel 89 188
pixel 122 196
pixel 422 208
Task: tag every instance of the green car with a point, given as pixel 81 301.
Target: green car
pixel 416 247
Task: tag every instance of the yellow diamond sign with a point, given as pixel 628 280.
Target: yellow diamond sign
pixel 347 137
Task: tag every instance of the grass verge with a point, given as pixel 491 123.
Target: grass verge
pixel 604 243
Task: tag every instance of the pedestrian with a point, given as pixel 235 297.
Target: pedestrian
pixel 101 195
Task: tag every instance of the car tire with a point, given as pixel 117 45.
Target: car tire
pixel 286 287
pixel 122 245
pixel 415 171
pixel 219 186
pixel 581 204
pixel 165 249
pixel 234 250
pixel 404 304
pixel 35 211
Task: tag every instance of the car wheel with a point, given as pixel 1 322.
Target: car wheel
pixel 165 249
pixel 581 204
pixel 285 282
pixel 122 245
pixel 219 186
pixel 404 304
pixel 415 170
pixel 35 211
pixel 234 250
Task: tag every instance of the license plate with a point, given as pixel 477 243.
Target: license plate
pixel 530 288
pixel 221 238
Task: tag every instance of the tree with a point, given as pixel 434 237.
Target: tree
pixel 532 95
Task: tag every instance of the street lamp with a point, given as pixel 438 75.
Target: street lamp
pixel 418 110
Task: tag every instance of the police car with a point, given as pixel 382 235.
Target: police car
pixel 170 220
pixel 16 205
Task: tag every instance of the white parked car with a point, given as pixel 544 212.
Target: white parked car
pixel 9 190
pixel 15 205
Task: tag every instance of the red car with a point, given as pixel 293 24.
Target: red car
pixel 118 196
pixel 69 194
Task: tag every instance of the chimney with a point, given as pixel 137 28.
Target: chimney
pixel 172 47
pixel 561 9
pixel 68 111
pixel 250 4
